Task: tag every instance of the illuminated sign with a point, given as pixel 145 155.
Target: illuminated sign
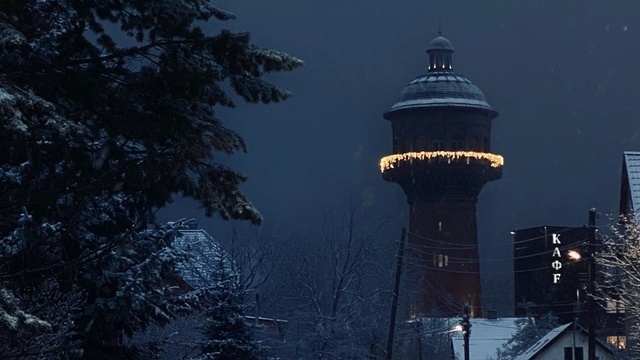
pixel 556 264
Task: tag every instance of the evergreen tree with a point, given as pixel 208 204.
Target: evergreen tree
pixel 228 334
pixel 96 136
pixel 528 333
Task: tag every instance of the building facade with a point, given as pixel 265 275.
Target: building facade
pixel 546 277
pixel 442 158
pixel 550 277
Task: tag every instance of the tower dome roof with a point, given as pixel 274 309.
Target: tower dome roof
pixel 438 89
pixel 440 43
pixel 441 86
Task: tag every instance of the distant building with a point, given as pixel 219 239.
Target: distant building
pixel 546 278
pixel 207 261
pixel 206 264
pixel 566 342
pixel 442 158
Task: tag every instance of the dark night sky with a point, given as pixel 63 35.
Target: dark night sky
pixel 563 75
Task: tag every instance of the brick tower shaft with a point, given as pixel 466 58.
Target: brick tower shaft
pixel 444 242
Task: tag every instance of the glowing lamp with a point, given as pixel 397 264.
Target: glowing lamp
pixel 574 255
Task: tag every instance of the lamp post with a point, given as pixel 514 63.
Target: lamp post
pixel 466 331
pixel 589 258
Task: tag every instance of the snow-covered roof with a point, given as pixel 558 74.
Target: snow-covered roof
pixel 440 43
pixel 438 89
pixel 487 336
pixel 206 259
pixel 630 187
pixel 551 337
pixel 546 340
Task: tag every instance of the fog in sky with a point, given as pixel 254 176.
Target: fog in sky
pixel 564 77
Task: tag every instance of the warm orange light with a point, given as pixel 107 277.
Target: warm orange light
pixel 574 255
pixel 389 162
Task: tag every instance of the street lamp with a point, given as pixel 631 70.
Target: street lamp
pixel 465 325
pixel 574 255
pixel 591 277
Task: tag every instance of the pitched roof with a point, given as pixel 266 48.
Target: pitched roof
pixel 544 342
pixel 630 186
pixel 206 260
pixel 487 336
pixel 551 337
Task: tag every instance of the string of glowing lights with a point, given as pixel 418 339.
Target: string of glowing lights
pixel 391 161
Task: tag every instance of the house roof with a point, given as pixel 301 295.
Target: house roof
pixel 630 186
pixel 550 338
pixel 544 342
pixel 206 260
pixel 487 336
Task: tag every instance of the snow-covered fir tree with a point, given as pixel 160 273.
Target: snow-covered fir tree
pixel 228 334
pixel 107 111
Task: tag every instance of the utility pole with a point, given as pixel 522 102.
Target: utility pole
pixel 592 277
pixel 394 298
pixel 466 330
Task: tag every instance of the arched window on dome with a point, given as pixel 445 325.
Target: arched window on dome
pixel 438 145
pixel 485 144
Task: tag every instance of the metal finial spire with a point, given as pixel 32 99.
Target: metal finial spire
pixel 440 27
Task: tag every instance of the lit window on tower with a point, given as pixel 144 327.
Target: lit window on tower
pixel 440 260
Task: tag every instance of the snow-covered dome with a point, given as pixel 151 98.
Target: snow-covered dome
pixel 441 86
pixel 440 43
